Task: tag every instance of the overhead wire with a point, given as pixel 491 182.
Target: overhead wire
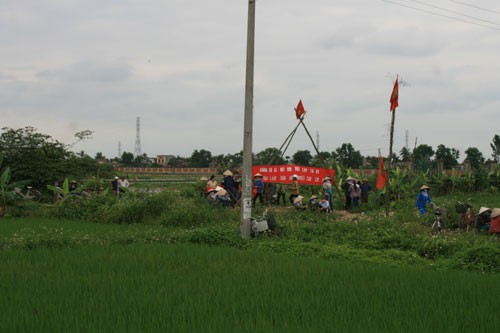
pixel 477 7
pixel 441 15
pixel 454 12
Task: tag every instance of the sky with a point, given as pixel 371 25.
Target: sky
pixel 72 65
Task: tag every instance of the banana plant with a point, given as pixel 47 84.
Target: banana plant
pixel 61 194
pixel 454 179
pixel 7 194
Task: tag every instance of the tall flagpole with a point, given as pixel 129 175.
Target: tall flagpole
pixel 394 105
pixel 388 171
pixel 246 207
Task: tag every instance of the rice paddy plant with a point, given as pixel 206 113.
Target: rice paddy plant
pixel 187 288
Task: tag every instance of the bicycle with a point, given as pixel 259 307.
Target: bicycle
pixel 465 218
pixel 438 224
pixel 30 193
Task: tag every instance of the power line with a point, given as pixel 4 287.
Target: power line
pixel 477 7
pixel 454 12
pixel 442 15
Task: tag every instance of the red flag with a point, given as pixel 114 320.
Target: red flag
pixel 299 110
pixel 382 174
pixel 394 96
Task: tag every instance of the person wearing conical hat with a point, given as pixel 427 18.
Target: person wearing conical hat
pixel 483 219
pixel 495 221
pixel 229 184
pixel 327 190
pixel 423 198
pixel 294 189
pixel 258 185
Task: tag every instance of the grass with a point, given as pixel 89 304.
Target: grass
pixel 188 288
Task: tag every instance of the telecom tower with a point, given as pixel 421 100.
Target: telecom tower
pixel 119 149
pixel 137 151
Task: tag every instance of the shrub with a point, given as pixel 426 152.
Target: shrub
pixel 216 236
pixel 482 257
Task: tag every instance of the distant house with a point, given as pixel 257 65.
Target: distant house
pixel 163 159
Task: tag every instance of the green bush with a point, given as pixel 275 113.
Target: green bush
pixel 216 236
pixel 437 247
pixel 481 257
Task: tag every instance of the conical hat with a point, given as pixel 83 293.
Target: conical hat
pixel 227 173
pixel 203 179
pixel 424 187
pixel 495 212
pixel 298 199
pixel 483 209
pixel 222 192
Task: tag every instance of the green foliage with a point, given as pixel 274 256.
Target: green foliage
pixel 268 156
pixel 41 159
pixel 347 156
pixel 216 236
pixel 302 157
pixel 449 156
pixel 495 147
pixel 201 158
pixel 475 157
pixel 484 257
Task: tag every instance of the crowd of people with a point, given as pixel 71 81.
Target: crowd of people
pixel 228 192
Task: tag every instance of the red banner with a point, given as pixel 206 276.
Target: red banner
pixel 283 174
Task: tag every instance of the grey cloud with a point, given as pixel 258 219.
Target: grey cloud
pixel 89 71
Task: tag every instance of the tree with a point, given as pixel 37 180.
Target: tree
pixel 201 158
pixel 268 155
pixel 405 155
pixel 475 157
pixel 33 156
pixel 302 157
pixel 495 146
pixel 423 152
pixel 99 156
pixel 449 156
pixel 422 156
pixel 347 156
pixel 40 160
pixel 127 159
pixel 321 158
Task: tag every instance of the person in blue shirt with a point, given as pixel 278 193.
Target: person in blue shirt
pixel 258 185
pixel 423 198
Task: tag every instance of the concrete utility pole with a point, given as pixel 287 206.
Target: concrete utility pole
pixel 246 197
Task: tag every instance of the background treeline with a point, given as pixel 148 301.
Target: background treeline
pixel 43 161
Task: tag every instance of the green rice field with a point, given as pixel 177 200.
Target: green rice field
pixel 194 288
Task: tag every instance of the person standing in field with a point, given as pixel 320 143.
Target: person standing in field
pixel 354 194
pixel 423 198
pixel 346 188
pixel 114 185
pixel 365 191
pixel 294 189
pixel 258 185
pixel 280 194
pixel 229 183
pixel 237 185
pixel 327 190
pixel 202 186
